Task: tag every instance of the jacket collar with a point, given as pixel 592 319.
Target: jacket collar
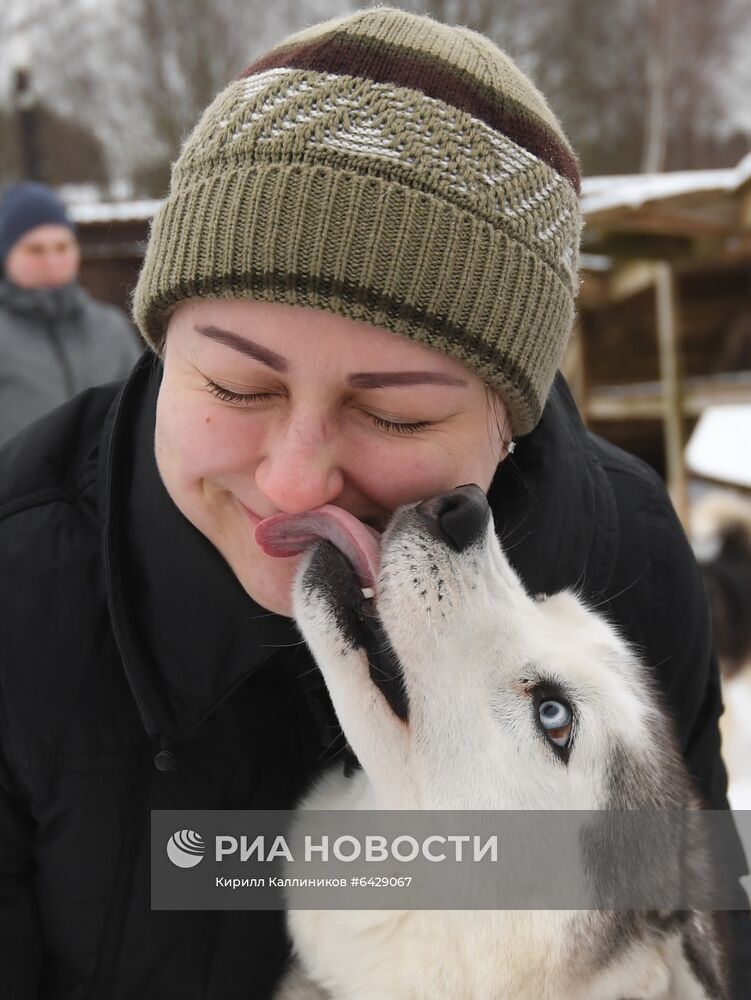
pixel 43 304
pixel 189 634
pixel 553 504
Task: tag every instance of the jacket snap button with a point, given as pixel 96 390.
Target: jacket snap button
pixel 165 761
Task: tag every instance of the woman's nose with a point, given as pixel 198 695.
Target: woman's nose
pixel 299 470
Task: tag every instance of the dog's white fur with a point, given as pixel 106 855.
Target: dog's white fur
pixel 471 642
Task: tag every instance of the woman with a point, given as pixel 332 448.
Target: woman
pixel 358 288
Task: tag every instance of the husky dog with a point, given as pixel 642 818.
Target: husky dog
pixel 508 702
pixel 721 536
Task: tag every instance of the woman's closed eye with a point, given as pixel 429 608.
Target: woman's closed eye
pixel 251 398
pixel 230 396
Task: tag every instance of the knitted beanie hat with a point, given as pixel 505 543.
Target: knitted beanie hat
pixel 25 206
pixel 387 168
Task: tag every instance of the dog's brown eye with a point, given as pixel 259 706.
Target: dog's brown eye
pixel 556 720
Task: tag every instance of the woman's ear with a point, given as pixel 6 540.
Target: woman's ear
pixel 500 415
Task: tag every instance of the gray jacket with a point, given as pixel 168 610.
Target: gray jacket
pixel 55 342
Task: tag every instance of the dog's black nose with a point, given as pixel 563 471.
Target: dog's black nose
pixel 461 515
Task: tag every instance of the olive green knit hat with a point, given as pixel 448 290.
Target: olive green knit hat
pixel 387 168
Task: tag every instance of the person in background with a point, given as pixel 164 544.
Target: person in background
pixel 55 340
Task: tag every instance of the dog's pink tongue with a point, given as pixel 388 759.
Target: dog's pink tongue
pixel 290 534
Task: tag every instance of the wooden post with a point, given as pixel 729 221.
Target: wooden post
pixel 580 368
pixel 27 118
pixel 670 373
pixel 574 367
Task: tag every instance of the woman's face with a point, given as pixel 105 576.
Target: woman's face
pixel 267 408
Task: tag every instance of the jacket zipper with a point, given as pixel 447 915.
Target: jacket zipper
pixel 62 360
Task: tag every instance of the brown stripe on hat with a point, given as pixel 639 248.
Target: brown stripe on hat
pixel 436 78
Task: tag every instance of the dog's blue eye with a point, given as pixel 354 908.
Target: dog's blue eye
pixel 556 720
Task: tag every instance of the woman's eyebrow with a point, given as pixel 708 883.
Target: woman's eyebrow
pixel 378 380
pixel 358 380
pixel 245 346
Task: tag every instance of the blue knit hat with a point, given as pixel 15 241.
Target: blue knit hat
pixel 24 207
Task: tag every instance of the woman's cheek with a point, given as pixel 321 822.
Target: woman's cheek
pixel 217 442
pixel 402 472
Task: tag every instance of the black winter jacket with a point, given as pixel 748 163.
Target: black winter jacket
pixel 124 635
